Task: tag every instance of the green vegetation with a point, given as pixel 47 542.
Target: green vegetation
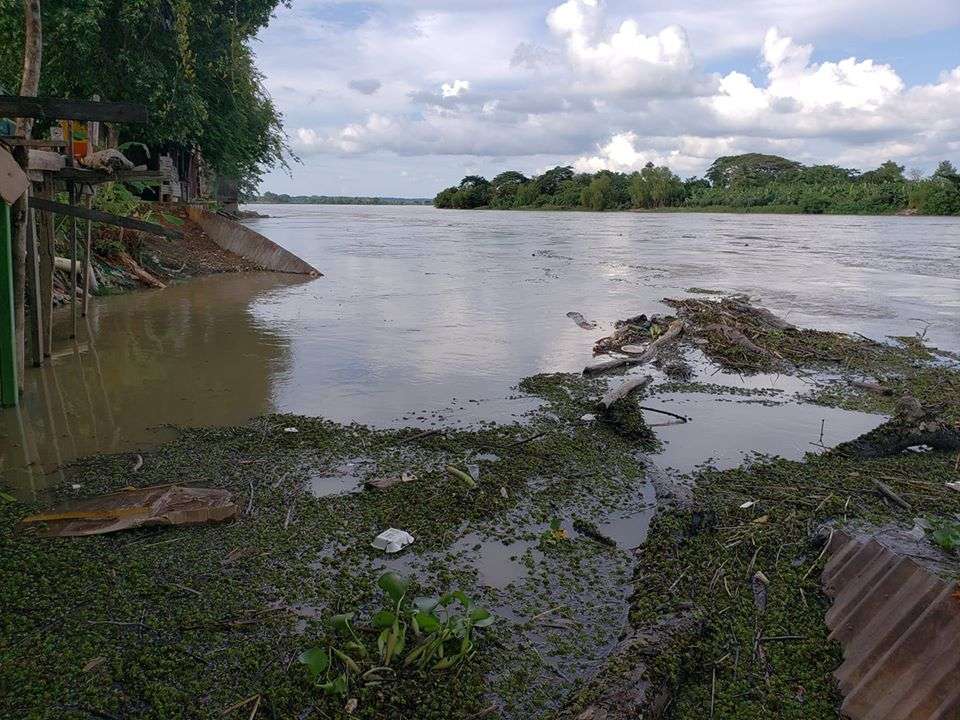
pixel 269 198
pixel 442 638
pixel 727 611
pixel 741 183
pixel 190 62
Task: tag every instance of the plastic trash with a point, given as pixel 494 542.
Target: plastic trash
pixel 291 430
pixel 392 540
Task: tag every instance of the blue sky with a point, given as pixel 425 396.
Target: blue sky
pixel 405 98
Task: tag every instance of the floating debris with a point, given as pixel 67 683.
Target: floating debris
pixel 392 540
pixel 161 505
pixel 581 321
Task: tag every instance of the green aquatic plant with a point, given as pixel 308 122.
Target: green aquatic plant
pixel 946 534
pixel 553 535
pixel 443 628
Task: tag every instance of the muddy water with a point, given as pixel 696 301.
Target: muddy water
pixel 428 317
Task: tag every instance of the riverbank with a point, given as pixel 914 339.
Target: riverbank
pixel 125 260
pixel 718 209
pixel 191 621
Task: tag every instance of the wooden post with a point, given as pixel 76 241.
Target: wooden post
pixel 73 263
pixel 18 224
pixel 87 259
pixel 35 314
pixel 9 386
pixel 46 230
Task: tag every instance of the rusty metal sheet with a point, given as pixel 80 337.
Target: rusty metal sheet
pixel 899 625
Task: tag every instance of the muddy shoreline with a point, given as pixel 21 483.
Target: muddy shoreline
pixel 187 622
pixel 125 260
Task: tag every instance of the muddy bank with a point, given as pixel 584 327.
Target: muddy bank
pixel 128 259
pixel 550 535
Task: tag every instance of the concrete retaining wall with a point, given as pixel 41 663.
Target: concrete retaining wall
pixel 248 243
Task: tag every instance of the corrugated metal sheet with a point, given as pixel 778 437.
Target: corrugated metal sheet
pixel 900 629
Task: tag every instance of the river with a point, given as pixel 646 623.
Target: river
pixel 427 317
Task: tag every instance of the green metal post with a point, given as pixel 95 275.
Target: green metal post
pixel 9 395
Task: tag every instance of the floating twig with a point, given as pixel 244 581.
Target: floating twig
pixel 889 493
pixel 682 418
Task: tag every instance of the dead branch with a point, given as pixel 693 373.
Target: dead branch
pixel 619 393
pixel 672 332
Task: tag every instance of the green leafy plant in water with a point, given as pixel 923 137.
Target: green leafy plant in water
pixel 322 662
pixel 946 534
pixel 554 535
pixel 443 630
pixel 446 631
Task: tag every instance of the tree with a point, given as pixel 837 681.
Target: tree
pixel 32 58
pixel 946 171
pixel 504 188
pixel 888 172
pixel 826 175
pixel 549 182
pixel 655 187
pixel 749 169
pixel 598 195
pixel 188 61
pixel 936 196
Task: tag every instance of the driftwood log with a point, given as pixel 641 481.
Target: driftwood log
pixel 64 265
pixel 895 436
pixel 875 388
pixel 128 262
pixel 672 332
pixel 619 393
pixel 762 315
pixel 735 336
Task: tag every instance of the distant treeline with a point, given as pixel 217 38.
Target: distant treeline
pixel 739 182
pixel 269 198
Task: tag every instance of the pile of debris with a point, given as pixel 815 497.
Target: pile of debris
pixel 734 333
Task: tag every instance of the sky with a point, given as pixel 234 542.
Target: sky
pixel 404 97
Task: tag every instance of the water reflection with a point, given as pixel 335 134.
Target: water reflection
pixel 428 317
pixel 188 355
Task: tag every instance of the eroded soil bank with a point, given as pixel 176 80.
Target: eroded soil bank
pixel 124 260
pixel 594 616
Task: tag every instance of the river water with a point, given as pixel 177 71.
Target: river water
pixel 427 316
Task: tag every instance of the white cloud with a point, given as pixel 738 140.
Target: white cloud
pixel 625 60
pixel 608 85
pixel 454 89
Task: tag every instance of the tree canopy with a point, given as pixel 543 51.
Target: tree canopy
pixel 189 61
pixel 741 182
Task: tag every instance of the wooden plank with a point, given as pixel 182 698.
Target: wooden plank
pixel 103 217
pixel 95 177
pixel 15 106
pixel 45 160
pixel 31 143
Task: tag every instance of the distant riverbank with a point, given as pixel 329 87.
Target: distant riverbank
pixel 751 183
pixel 270 198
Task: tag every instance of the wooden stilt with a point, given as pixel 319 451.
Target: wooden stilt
pixel 87 259
pixel 73 264
pixel 9 386
pixel 34 312
pixel 45 231
pixel 18 223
